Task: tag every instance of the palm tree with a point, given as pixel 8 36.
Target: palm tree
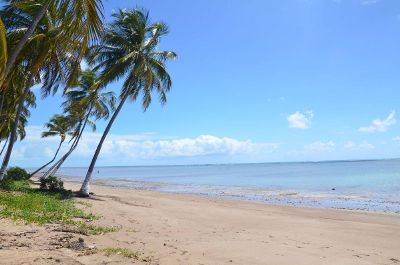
pixel 80 14
pixel 129 49
pixel 49 56
pixel 85 100
pixel 59 125
pixel 9 117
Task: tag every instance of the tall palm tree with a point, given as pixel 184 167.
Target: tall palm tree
pixel 85 100
pixel 59 125
pixel 81 14
pixel 14 119
pixel 48 57
pixel 129 49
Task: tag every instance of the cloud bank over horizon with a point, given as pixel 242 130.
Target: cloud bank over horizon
pixel 152 149
pixel 132 148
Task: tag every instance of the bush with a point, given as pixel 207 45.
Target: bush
pixel 17 173
pixel 51 183
pixel 15 185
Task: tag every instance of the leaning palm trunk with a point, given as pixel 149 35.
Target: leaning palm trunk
pixel 84 191
pixel 53 170
pixel 57 166
pixel 51 161
pixel 13 135
pixel 4 146
pixel 15 52
pixel 3 97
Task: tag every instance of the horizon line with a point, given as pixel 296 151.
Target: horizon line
pixel 252 163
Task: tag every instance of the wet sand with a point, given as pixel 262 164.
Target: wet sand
pixel 184 229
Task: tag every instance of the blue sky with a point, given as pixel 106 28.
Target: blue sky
pixel 257 81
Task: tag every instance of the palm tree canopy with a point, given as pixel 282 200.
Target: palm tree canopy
pixel 50 54
pixel 12 95
pixel 85 13
pixel 58 125
pixel 129 50
pixel 61 38
pixel 87 98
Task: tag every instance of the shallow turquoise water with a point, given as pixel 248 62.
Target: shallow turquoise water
pixel 363 185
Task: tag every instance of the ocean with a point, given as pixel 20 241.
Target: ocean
pixel 355 185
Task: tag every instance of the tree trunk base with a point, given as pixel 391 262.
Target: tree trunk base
pixel 81 194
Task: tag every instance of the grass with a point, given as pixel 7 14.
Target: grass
pixel 90 229
pixel 16 185
pixel 121 251
pixel 19 202
pixel 110 251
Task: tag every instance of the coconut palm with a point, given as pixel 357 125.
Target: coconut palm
pixel 59 125
pixel 14 116
pixel 85 100
pixel 9 117
pixel 129 50
pixel 80 14
pixel 48 57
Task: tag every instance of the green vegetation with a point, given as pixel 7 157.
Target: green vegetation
pixel 15 185
pixel 38 47
pixel 121 251
pixel 130 51
pixel 17 173
pixel 59 125
pixel 110 251
pixel 90 229
pixel 51 183
pixel 39 207
pixel 20 202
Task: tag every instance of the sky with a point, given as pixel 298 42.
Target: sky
pixel 255 81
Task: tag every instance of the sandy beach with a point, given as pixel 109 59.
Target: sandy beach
pixel 181 229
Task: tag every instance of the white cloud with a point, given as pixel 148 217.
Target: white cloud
pixel 300 120
pixel 202 145
pixel 370 2
pixel 396 139
pixel 133 147
pixel 320 146
pixel 358 146
pixel 379 125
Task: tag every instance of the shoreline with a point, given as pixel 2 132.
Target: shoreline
pixel 221 199
pixel 185 229
pixel 291 198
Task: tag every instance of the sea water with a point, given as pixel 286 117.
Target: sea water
pixel 358 185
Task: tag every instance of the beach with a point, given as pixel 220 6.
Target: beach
pixel 168 228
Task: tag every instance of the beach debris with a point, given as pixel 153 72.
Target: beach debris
pixel 24 233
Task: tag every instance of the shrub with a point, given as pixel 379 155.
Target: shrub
pixel 51 183
pixel 15 185
pixel 17 173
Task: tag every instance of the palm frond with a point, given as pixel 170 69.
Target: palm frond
pixel 3 50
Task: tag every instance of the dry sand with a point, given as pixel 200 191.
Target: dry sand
pixel 184 229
